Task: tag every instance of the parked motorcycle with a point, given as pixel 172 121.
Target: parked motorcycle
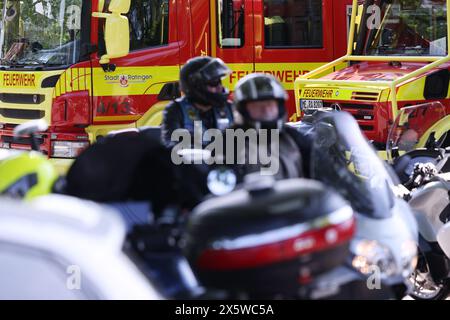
pixel 60 247
pixel 422 172
pixel 386 231
pixel 298 229
pixel 233 241
pixel 296 235
pixel 284 239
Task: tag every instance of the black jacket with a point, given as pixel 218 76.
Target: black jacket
pixel 173 119
pixel 294 149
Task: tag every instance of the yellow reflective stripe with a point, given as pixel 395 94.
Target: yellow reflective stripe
pixel 75 79
pixel 133 80
pixel 109 84
pixel 327 93
pixel 285 72
pixel 20 79
pixel 385 95
pixel 82 79
pixel 62 83
pixel 412 90
pixel 57 89
pixel 94 131
pixel 116 118
pixel 68 80
pixel 88 80
pixel 153 116
pixel 241 66
pixel 439 129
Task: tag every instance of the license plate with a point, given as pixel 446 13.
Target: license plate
pixel 311 105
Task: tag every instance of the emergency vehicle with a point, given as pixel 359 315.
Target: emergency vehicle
pixel 397 56
pixel 90 67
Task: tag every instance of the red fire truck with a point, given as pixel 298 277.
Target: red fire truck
pixel 89 67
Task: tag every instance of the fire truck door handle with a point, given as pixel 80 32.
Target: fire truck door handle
pixel 258 52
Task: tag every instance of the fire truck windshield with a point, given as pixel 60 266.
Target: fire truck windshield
pixel 402 27
pixel 45 33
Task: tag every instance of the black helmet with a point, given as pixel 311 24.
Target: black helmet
pixel 258 87
pixel 197 73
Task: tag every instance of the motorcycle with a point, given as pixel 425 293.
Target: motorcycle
pixel 231 242
pixel 425 183
pixel 267 239
pixel 27 174
pixel 314 229
pixel 292 230
pixel 386 231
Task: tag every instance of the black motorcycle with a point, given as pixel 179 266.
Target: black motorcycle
pixel 423 166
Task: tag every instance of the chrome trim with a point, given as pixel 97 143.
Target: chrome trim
pixel 285 233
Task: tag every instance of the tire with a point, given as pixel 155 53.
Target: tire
pixel 424 288
pixel 446 144
pixel 447 140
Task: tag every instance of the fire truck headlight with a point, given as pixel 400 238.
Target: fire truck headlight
pixel 68 149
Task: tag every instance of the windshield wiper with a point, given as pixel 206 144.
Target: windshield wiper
pixel 383 50
pixel 30 61
pixel 12 65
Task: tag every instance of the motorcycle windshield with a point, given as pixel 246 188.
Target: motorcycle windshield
pixel 412 126
pixel 343 159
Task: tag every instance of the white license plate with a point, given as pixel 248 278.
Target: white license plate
pixel 309 105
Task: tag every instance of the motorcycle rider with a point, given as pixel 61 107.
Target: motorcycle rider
pixel 205 99
pixel 260 104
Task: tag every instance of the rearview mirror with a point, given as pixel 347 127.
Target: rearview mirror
pixel 30 127
pixel 117 34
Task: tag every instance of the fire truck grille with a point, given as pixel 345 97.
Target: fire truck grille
pixel 363 113
pixel 366 128
pixel 22 113
pixel 19 140
pixel 365 96
pixel 354 106
pixel 22 98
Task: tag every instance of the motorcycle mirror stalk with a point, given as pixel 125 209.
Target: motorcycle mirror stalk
pixel 30 128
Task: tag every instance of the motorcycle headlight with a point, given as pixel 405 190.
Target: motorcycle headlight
pixel 408 257
pixel 371 256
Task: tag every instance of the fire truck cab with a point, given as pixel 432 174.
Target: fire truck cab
pixel 397 56
pixel 90 67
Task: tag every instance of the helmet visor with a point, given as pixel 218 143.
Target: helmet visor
pixel 214 70
pixel 259 88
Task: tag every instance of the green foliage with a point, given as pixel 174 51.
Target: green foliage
pixel 429 22
pixel 39 20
